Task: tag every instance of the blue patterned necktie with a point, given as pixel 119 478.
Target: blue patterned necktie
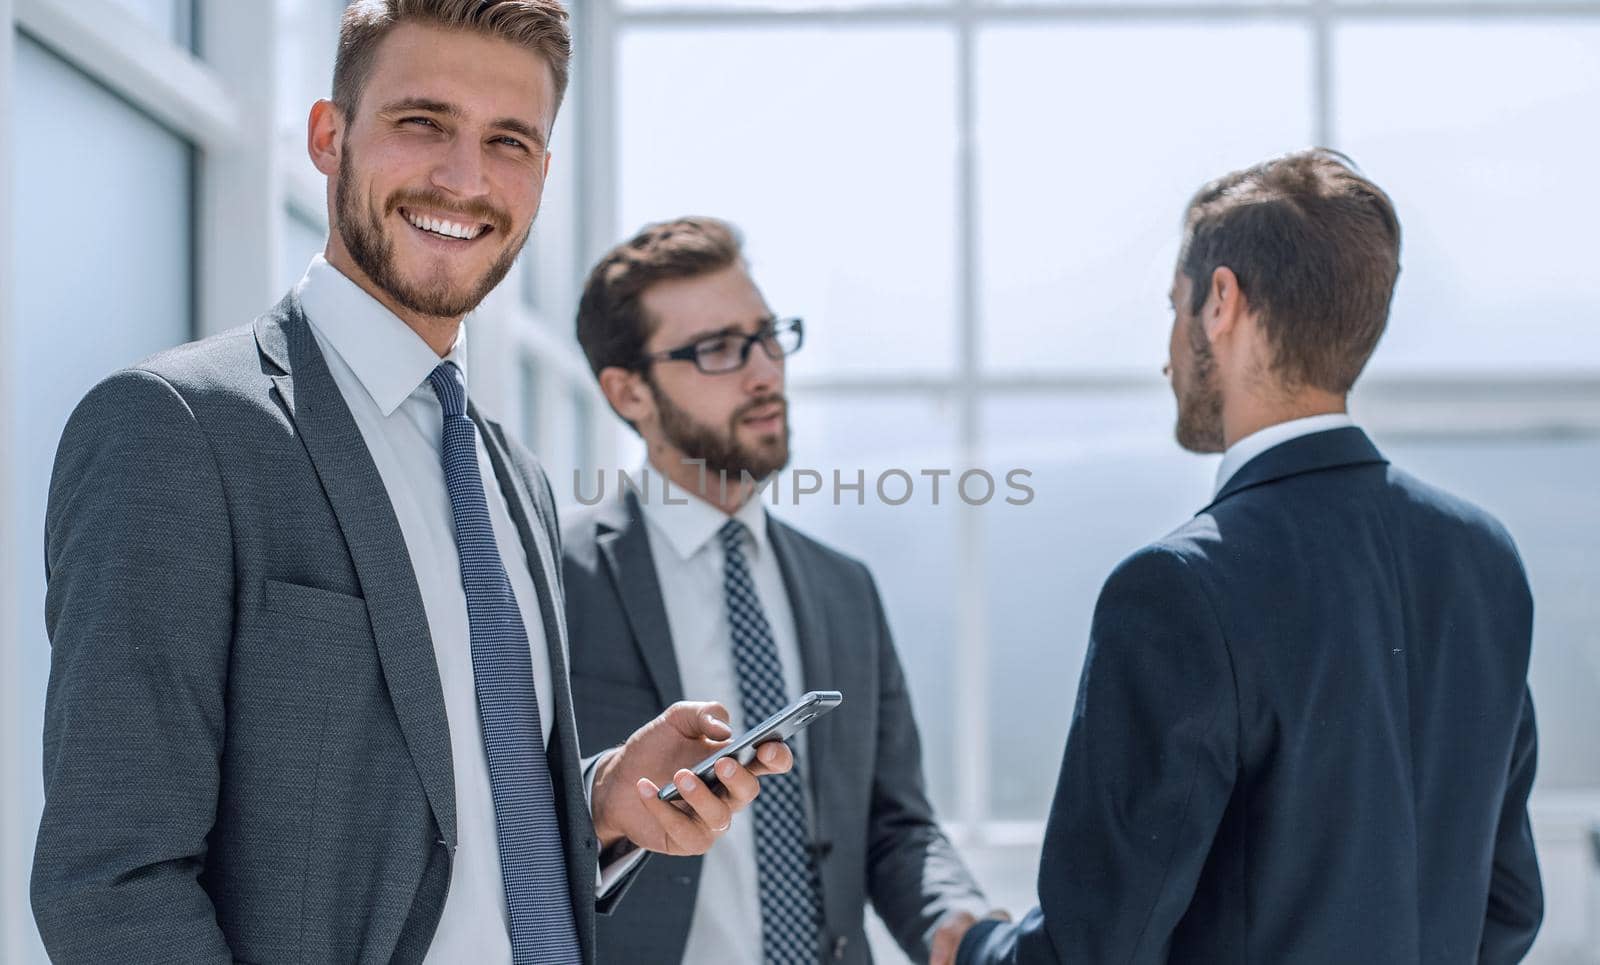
pixel 532 862
pixel 791 908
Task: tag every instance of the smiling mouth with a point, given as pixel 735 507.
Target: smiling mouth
pixel 453 229
pixel 765 415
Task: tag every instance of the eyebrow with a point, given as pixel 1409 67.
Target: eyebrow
pixel 426 105
pixel 731 328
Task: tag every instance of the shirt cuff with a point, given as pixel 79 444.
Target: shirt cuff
pixel 607 876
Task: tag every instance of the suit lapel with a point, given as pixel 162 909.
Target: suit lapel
pixel 625 546
pixel 371 531
pixel 810 623
pixel 817 669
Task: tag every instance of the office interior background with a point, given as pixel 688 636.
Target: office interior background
pixel 975 206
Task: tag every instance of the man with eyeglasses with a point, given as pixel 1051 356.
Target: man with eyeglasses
pixel 683 584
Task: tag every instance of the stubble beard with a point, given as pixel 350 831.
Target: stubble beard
pixel 372 249
pixel 723 455
pixel 1200 401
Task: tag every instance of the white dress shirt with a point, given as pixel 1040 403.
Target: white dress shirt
pixel 1260 441
pixel 687 551
pixel 381 368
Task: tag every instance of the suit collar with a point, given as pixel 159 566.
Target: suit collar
pixel 366 518
pixel 272 333
pixel 689 522
pixel 1253 445
pixel 1330 449
pixel 624 545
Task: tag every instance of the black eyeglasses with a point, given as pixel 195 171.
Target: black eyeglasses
pixel 720 354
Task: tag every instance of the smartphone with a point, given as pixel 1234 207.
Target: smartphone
pixel 781 726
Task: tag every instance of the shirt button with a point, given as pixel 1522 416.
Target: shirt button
pixel 839 945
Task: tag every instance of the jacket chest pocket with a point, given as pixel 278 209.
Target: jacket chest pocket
pixel 305 650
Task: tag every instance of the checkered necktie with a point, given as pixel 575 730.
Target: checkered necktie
pixel 532 862
pixel 791 913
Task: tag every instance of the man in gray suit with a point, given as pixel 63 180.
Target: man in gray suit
pixel 694 589
pixel 308 697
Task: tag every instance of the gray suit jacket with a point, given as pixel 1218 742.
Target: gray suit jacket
pixel 872 826
pixel 245 750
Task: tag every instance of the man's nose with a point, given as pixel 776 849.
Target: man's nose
pixel 762 370
pixel 461 171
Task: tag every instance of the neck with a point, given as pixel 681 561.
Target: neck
pixel 706 485
pixel 1252 413
pixel 439 333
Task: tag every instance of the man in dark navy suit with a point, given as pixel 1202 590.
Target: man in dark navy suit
pixel 1303 731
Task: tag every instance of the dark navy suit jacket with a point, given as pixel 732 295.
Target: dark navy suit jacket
pixel 1302 734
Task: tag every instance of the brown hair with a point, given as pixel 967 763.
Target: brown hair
pixel 538 25
pixel 612 326
pixel 1316 249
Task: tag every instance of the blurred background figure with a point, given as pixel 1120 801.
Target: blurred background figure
pixel 972 204
pixel 683 583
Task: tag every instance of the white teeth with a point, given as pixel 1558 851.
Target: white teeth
pixel 447 228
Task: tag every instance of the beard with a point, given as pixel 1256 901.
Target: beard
pixel 1199 399
pixel 372 248
pixel 725 457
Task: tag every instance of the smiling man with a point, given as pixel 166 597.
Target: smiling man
pixel 696 590
pixel 309 696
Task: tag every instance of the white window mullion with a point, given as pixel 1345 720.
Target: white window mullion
pixel 240 192
pixel 972 639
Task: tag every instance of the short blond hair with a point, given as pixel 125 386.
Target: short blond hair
pixel 537 25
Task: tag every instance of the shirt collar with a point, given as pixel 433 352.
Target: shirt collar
pixel 1260 441
pixel 689 522
pixel 386 356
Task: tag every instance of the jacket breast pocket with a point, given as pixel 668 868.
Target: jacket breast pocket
pixel 306 647
pixel 316 604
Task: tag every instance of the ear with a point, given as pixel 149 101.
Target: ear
pixel 325 137
pixel 1225 305
pixel 630 398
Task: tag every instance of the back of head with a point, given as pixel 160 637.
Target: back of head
pixel 537 25
pixel 612 326
pixel 1316 249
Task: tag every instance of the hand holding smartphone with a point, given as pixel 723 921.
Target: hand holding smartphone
pixel 781 726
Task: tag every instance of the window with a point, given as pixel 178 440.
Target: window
pixel 1086 158
pixel 841 173
pixel 172 19
pixel 1474 129
pixel 127 227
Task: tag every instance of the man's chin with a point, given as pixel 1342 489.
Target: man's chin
pixel 442 295
pixel 770 456
pixel 1197 442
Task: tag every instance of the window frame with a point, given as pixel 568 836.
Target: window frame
pixel 1429 405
